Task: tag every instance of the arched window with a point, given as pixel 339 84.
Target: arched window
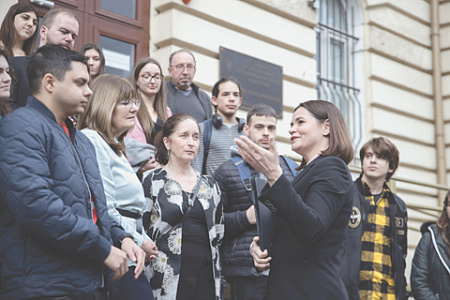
pixel 339 61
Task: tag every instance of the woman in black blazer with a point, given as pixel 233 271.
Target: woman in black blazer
pixel 312 213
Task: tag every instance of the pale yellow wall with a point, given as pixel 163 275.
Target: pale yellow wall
pixel 4 6
pixel 396 66
pixel 399 101
pixel 444 17
pixel 280 32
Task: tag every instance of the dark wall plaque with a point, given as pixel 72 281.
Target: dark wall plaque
pixel 261 82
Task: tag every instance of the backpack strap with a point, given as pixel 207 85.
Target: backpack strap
pixel 291 164
pixel 207 131
pixel 244 173
pixel 262 213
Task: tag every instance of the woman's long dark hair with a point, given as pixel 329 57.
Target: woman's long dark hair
pixel 97 48
pixel 8 31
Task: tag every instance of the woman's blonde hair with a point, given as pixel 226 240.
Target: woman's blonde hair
pixel 107 91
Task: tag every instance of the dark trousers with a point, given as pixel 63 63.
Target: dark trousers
pixel 133 289
pixel 86 297
pixel 248 288
pixel 99 294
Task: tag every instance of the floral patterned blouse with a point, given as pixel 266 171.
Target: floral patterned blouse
pixel 167 203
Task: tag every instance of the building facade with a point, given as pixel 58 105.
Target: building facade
pixel 384 63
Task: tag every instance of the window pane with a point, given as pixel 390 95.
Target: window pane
pixel 125 8
pixel 119 56
pixel 337 60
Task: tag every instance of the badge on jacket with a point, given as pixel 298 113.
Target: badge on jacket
pixel 355 218
pixel 399 223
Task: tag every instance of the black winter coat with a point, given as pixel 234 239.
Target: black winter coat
pixel 351 252
pixel 49 245
pixel 430 276
pixel 239 233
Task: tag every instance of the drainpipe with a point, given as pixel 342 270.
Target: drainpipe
pixel 437 99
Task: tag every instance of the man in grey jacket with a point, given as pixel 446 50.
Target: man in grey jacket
pixel 183 96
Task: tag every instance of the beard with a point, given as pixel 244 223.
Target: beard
pixel 185 84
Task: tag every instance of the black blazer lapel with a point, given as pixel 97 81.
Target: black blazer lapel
pixel 305 170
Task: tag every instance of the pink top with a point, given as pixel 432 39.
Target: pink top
pixel 137 132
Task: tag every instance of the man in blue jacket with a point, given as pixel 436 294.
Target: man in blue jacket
pixel 373 265
pixel 56 238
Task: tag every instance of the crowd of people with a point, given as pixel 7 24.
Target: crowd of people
pixel 115 188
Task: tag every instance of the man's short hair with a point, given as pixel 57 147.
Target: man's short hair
pixel 50 16
pixel 262 110
pixel 51 59
pixel 384 148
pixel 178 51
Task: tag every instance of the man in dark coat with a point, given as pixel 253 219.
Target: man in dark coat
pixel 375 247
pixel 239 212
pixel 56 238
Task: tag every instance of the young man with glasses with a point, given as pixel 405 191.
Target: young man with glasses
pixel 183 96
pixel 376 234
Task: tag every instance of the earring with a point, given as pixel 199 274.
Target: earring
pixel 168 154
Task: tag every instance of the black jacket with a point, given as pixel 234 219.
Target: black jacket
pixel 430 276
pixel 239 233
pixel 20 89
pixel 351 251
pixel 311 216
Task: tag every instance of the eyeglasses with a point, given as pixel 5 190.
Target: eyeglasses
pixel 180 67
pixel 148 77
pixel 128 102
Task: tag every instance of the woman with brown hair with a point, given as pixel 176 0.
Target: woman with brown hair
pixel 311 214
pixel 430 271
pixel 95 59
pixel 5 83
pixel 185 218
pixel 108 116
pixel 18 33
pixel 148 81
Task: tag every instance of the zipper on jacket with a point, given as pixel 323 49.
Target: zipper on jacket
pixel 87 189
pixel 433 238
pixel 89 196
